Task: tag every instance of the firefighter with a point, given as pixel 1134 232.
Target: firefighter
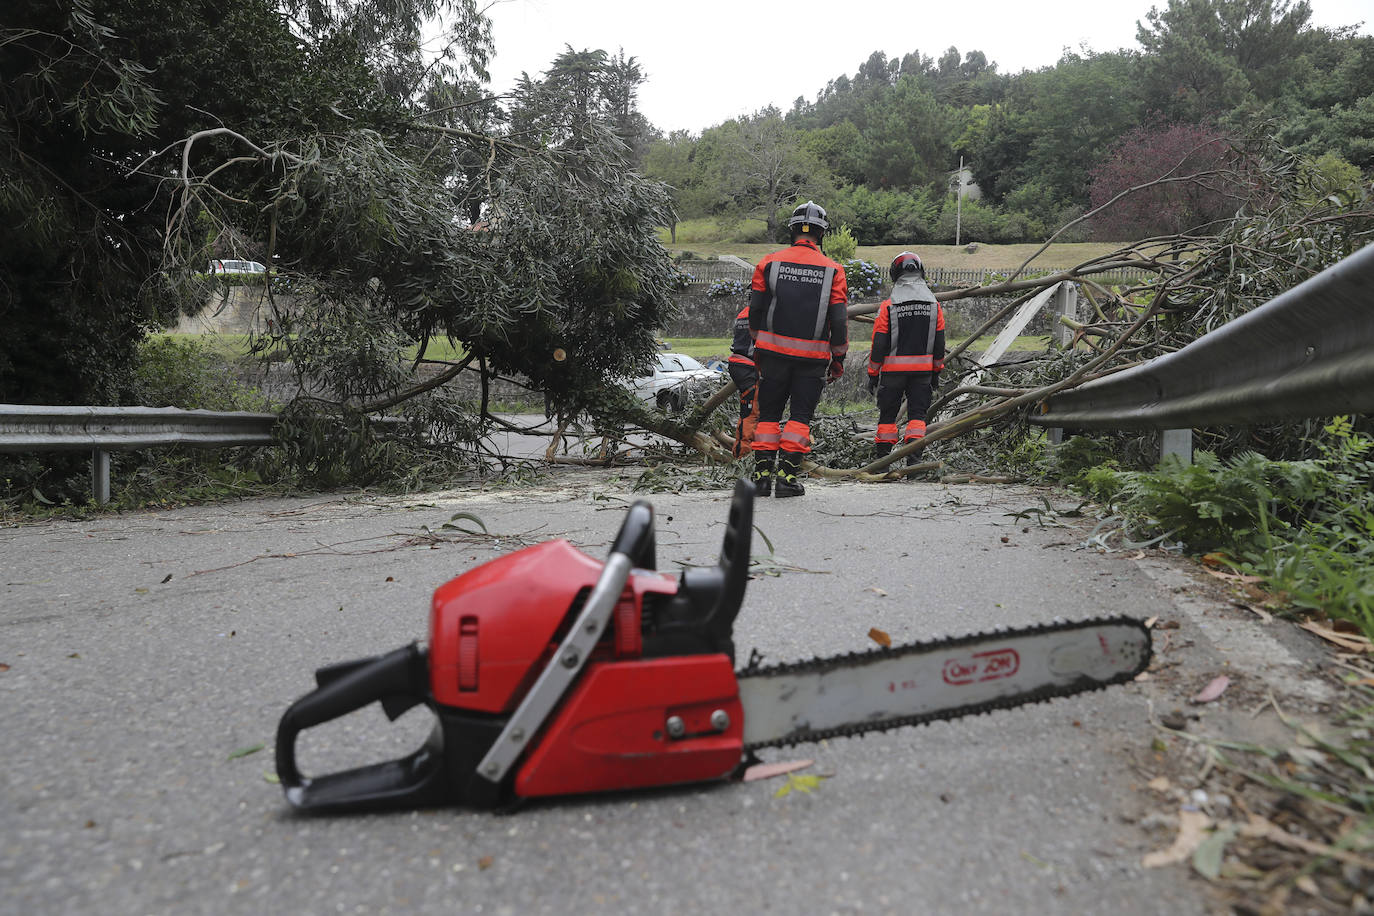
pixel 798 317
pixel 907 354
pixel 746 379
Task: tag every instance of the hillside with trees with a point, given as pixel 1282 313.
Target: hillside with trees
pixel 881 145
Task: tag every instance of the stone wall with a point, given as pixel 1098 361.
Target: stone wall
pixel 232 310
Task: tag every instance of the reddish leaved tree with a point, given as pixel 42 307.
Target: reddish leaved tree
pixel 1186 176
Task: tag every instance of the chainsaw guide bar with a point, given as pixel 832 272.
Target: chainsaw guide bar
pixel 862 692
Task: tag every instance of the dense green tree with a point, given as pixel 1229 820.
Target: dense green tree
pixel 840 147
pixel 1204 57
pixel 674 160
pixel 623 78
pixel 1055 125
pixel 390 35
pixel 762 168
pixel 1331 106
pixel 89 90
pixel 907 141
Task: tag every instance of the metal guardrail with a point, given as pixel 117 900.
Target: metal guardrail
pixel 1308 352
pixel 101 430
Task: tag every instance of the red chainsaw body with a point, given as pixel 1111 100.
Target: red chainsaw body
pixel 610 732
pixel 495 627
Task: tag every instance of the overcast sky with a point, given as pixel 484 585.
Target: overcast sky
pixel 711 60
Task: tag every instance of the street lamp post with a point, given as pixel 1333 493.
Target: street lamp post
pixel 959 203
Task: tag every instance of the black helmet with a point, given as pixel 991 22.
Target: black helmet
pixel 809 218
pixel 907 262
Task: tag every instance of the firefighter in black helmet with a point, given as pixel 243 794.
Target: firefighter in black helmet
pixel 797 314
pixel 907 354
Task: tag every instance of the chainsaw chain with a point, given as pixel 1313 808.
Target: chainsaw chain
pixel 859 659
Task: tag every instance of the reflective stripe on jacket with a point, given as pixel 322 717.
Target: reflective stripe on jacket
pixel 909 333
pixel 797 304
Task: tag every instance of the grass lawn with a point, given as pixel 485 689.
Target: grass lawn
pixel 703 237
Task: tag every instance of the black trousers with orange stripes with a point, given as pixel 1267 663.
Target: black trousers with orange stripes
pixel 914 387
pixel 792 385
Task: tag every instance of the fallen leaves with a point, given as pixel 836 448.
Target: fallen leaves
pixel 1348 641
pixel 769 770
pixel 245 751
pixel 1208 855
pixel 1232 577
pixel 1192 830
pixel 880 638
pixel 805 783
pixel 1213 690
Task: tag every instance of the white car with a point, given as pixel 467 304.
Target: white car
pixel 236 267
pixel 673 377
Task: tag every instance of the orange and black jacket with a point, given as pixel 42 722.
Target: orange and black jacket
pixel 797 304
pixel 742 347
pixel 909 333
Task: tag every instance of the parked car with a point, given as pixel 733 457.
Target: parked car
pixel 236 267
pixel 673 377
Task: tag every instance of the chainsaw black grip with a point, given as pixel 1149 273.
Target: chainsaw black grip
pixel 404 672
pixel 636 537
pixel 734 552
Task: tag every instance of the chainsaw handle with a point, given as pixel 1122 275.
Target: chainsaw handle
pixel 403 673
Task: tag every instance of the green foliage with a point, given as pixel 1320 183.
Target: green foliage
pixel 88 92
pixel 1305 527
pixel 886 216
pixel 839 244
pixel 187 373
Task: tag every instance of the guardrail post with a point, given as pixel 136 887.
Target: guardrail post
pixel 1065 303
pixel 100 476
pixel 1177 442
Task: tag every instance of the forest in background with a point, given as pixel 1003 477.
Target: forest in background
pixel 881 147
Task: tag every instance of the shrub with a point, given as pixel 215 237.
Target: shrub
pixel 680 279
pixel 840 245
pixel 865 278
pixel 1306 528
pixel 186 373
pixel 722 288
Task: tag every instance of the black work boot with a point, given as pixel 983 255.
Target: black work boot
pixel 787 484
pixel 914 458
pixel 764 473
pixel 881 450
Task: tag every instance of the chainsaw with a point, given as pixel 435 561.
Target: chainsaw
pixel 552 673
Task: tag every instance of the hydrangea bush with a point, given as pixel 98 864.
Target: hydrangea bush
pixel 722 288
pixel 865 278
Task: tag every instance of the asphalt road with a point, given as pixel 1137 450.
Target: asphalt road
pixel 142 654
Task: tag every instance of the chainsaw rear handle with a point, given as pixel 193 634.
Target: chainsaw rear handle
pixel 398 680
